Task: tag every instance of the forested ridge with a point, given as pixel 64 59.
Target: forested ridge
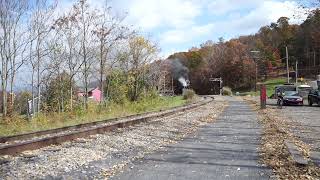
pixel 234 60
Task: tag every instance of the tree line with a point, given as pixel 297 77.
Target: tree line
pixel 63 54
pixel 236 63
pixel 87 47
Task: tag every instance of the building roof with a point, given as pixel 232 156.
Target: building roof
pixel 89 89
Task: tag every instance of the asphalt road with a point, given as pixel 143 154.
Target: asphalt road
pixel 225 149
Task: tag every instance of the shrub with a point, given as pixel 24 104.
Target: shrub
pixel 117 94
pixel 79 110
pixel 21 102
pixel 226 91
pixel 188 94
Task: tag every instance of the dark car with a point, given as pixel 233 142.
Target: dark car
pixel 283 88
pixel 292 98
pixel 314 97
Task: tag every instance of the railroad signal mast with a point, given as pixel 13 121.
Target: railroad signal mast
pixel 220 83
pixel 166 88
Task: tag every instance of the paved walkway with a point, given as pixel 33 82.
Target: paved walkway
pixel 225 149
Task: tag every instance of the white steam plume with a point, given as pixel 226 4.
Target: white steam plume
pixel 183 81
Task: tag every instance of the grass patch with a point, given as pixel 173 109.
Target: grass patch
pixel 188 94
pixel 270 85
pixel 250 93
pixel 19 125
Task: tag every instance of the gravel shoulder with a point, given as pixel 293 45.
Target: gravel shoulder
pixel 285 125
pixel 101 156
pixel 306 126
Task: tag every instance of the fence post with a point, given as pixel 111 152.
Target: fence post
pixel 318 81
pixel 263 96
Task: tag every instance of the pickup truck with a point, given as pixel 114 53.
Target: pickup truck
pixel 314 97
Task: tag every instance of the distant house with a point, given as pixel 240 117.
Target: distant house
pixel 94 93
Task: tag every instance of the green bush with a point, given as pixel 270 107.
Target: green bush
pixel 152 94
pixel 188 94
pixel 226 91
pixel 21 101
pixel 79 109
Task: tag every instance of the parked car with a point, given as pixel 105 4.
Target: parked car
pixel 304 90
pixel 314 97
pixel 292 98
pixel 282 88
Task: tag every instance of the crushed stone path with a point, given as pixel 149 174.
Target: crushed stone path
pixel 224 149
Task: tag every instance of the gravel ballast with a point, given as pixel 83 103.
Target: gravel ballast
pixel 100 156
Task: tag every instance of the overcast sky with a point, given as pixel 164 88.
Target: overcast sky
pixel 179 25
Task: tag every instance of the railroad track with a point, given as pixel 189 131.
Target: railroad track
pixel 12 145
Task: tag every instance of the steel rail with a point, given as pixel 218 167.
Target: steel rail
pixel 85 130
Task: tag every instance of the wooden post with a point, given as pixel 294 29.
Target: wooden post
pixel 287 59
pixel 172 91
pixel 263 97
pixel 296 72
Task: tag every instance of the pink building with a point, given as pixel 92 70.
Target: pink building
pixel 95 94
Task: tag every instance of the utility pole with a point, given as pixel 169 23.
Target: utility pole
pixel 296 72
pixel 255 56
pixel 287 55
pixel 314 58
pixel 256 81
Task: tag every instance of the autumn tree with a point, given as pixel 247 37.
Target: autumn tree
pixel 40 28
pixel 141 51
pixel 57 91
pixel 55 67
pixel 85 24
pixel 229 60
pixel 108 32
pixel 12 45
pixel 67 27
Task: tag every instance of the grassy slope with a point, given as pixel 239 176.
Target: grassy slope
pixel 270 85
pixel 19 126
